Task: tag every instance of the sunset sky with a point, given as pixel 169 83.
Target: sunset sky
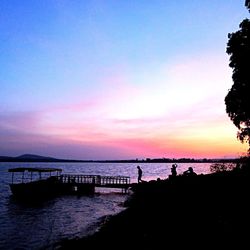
pixel 117 79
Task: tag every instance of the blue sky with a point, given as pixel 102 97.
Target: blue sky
pixel 116 79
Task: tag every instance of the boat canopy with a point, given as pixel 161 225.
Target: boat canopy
pixel 39 170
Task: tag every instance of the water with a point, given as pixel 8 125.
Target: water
pixel 37 226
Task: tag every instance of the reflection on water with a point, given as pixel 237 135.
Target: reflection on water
pixel 40 225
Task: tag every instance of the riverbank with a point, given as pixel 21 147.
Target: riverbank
pixel 200 211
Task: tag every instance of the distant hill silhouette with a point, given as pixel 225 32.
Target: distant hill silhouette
pixel 30 158
pixel 34 157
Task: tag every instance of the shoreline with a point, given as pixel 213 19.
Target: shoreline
pixel 209 209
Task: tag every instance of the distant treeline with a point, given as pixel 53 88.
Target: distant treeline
pixel 36 158
pixel 174 160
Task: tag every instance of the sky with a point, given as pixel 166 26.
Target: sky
pixel 101 80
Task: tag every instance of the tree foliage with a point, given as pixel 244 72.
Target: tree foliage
pixel 247 4
pixel 238 98
pixel 221 167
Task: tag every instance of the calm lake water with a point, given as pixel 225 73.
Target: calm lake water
pixel 40 226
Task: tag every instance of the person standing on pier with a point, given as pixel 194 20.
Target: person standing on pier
pixel 139 174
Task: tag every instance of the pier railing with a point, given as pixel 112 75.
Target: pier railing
pixel 81 179
pixel 96 180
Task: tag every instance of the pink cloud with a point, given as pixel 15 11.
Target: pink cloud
pixel 161 118
pixel 20 121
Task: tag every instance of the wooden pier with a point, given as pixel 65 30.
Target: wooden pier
pixel 39 183
pixel 85 184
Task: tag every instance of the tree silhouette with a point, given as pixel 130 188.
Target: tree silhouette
pixel 238 98
pixel 247 4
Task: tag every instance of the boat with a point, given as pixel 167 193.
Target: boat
pixel 34 182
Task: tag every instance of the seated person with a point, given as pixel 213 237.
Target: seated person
pixel 189 172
